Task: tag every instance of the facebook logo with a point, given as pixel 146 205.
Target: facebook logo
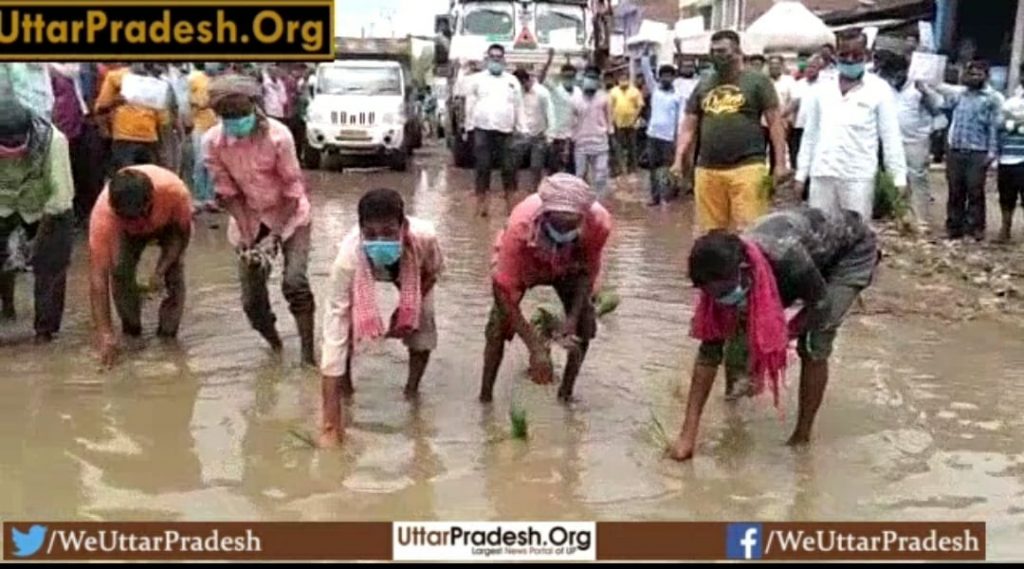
pixel 743 541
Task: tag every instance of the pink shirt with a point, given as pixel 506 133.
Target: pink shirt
pixel 519 265
pixel 264 171
pixel 275 97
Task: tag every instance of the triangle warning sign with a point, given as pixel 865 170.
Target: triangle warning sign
pixel 526 39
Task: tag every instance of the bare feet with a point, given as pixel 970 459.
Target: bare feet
pixel 681 451
pixel 798 440
pixel 330 438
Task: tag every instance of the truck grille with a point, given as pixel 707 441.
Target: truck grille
pixel 345 118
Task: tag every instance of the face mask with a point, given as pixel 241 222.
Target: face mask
pixel 240 127
pixel 801 66
pixel 851 70
pixel 559 238
pixel 495 67
pixel 736 298
pixel 568 84
pixel 383 253
pixel 591 85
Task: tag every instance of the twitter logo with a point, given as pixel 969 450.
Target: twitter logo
pixel 28 544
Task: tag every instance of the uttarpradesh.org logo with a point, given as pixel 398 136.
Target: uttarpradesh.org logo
pixel 27 544
pixel 744 541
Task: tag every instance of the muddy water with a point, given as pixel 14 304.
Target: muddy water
pixel 921 421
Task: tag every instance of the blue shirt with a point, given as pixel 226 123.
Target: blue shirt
pixel 975 126
pixel 666 107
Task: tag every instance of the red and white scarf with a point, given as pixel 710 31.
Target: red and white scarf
pixel 366 320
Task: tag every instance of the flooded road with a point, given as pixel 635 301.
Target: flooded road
pixel 922 420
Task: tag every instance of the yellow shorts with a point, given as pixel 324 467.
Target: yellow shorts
pixel 730 199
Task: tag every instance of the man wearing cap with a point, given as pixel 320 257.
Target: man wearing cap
pixel 257 178
pixel 554 237
pixel 141 205
pixel 36 196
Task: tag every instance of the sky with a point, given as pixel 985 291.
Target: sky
pixel 382 18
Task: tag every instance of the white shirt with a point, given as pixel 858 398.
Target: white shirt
pixel 562 102
pixel 842 133
pixel 784 86
pixel 915 119
pixel 494 102
pixel 801 93
pixel 684 87
pixel 538 113
pixel 337 327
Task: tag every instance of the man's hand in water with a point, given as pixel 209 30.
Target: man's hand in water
pixel 109 349
pixel 680 451
pixel 541 371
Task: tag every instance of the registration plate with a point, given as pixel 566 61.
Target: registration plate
pixel 354 134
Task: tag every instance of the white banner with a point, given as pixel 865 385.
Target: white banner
pixel 495 541
pixel 145 91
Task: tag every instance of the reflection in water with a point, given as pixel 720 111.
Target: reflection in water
pixel 922 421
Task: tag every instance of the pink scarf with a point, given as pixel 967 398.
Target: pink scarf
pixel 366 321
pixel 767 333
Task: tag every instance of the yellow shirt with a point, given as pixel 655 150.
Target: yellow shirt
pixel 129 122
pixel 626 106
pixel 203 116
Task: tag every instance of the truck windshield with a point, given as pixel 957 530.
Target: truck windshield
pixel 360 81
pixel 560 24
pixel 493 20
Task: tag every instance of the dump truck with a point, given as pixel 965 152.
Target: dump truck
pixel 527 29
pixel 364 107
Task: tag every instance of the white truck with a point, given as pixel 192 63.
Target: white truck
pixel 527 29
pixel 363 106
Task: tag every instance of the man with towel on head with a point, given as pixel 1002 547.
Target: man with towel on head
pixel 554 237
pixel 387 246
pixel 36 196
pixel 258 180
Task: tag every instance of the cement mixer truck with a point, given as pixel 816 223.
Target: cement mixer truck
pixel 527 29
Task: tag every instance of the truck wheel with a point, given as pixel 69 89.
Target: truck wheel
pixel 462 152
pixel 400 162
pixel 310 157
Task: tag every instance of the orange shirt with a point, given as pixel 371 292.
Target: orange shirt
pixel 172 206
pixel 130 122
pixel 199 98
pixel 518 264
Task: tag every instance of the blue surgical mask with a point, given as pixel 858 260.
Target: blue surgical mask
pixel 495 67
pixel 383 253
pixel 560 238
pixel 591 84
pixel 240 127
pixel 851 70
pixel 736 298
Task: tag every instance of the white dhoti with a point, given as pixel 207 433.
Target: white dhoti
pixel 837 194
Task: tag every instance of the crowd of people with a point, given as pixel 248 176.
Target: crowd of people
pixel 736 132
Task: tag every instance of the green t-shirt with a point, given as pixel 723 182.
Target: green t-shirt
pixel 730 118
